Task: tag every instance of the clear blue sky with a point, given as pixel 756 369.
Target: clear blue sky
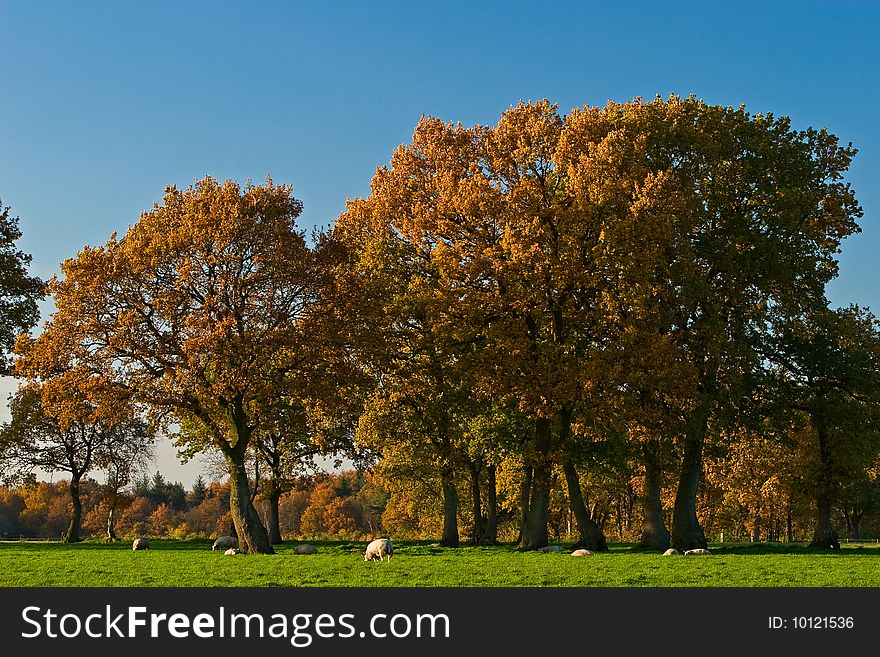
pixel 104 103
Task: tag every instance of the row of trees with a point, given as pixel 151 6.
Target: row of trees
pixel 634 284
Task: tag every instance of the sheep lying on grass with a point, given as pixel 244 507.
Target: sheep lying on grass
pixel 671 552
pixel 696 551
pixel 378 549
pixel 551 548
pixel 305 548
pixel 231 552
pixel 225 542
pixel 141 544
pixel 581 553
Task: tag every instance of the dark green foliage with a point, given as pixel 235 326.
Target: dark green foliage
pixel 19 292
pixel 159 491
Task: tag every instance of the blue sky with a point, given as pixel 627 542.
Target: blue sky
pixel 102 104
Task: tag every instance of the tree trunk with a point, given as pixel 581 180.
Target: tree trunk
pixel 591 537
pixel 655 535
pixel 854 532
pixel 824 535
pixel 535 531
pixel 450 509
pixel 273 499
pixel 111 518
pixel 73 530
pixel 274 490
pixel 252 536
pixel 525 489
pixel 687 533
pixel 491 537
pixel 479 529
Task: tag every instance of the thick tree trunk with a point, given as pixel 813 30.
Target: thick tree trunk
pixel 525 489
pixel 535 531
pixel 450 509
pixel 479 528
pixel 655 535
pixel 687 533
pixel 273 499
pixel 491 537
pixel 591 536
pixel 73 529
pixel 824 535
pixel 252 536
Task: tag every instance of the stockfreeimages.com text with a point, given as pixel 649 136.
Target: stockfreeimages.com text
pixel 301 629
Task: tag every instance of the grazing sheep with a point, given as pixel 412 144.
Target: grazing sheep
pixel 671 552
pixel 225 542
pixel 695 552
pixel 551 548
pixel 231 552
pixel 305 548
pixel 581 553
pixel 141 544
pixel 378 549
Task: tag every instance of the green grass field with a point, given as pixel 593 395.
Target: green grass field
pixel 191 563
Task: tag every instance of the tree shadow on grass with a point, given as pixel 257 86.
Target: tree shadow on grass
pixel 848 549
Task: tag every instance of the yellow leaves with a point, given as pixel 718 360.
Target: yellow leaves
pixel 194 312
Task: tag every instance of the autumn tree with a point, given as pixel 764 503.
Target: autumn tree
pixel 197 313
pixel 288 444
pixel 19 292
pixel 121 458
pixel 405 435
pixel 490 435
pixel 754 215
pixel 421 390
pixel 56 428
pixel 524 265
pixel 828 364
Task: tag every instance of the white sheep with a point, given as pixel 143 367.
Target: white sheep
pixel 581 553
pixel 231 552
pixel 696 551
pixel 378 549
pixel 225 542
pixel 141 544
pixel 671 552
pixel 305 548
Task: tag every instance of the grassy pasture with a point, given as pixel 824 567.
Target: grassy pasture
pixel 418 564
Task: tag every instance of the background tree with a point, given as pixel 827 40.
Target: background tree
pixel 54 429
pixel 19 292
pixel 288 445
pixel 123 455
pixel 828 364
pixel 416 358
pixel 197 313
